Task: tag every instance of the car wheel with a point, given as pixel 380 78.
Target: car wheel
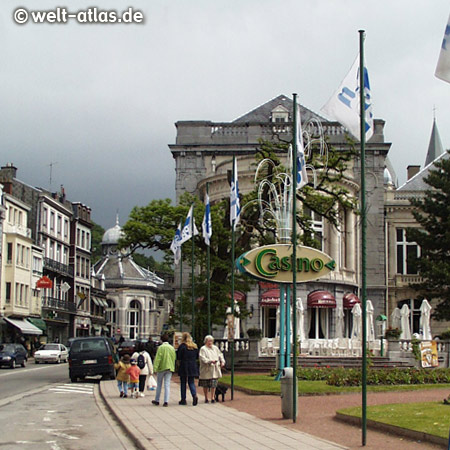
pixel 24 363
pixel 73 379
pixel 13 364
pixel 58 361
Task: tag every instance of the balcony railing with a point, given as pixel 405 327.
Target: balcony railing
pixel 56 266
pixel 61 305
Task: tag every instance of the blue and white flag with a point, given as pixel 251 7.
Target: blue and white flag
pixel 235 205
pixel 189 229
pixel 175 246
pixel 344 103
pixel 443 65
pixel 302 176
pixel 207 223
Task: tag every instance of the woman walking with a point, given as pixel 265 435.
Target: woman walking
pixel 187 354
pixel 144 362
pixel 211 362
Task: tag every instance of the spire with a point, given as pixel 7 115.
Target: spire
pixel 435 148
pixel 117 218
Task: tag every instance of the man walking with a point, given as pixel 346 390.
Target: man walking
pixel 164 366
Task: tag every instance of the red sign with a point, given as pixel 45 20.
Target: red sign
pixel 44 283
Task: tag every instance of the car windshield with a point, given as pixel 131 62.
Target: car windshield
pixel 88 345
pixel 50 347
pixel 6 347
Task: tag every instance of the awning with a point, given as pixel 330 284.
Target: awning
pixel 321 299
pixel 24 326
pixel 38 322
pixel 103 302
pixel 350 300
pixel 96 301
pixel 270 298
pixel 238 296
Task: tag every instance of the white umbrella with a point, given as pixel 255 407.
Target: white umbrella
pixel 340 322
pixel 406 329
pixel 300 321
pixel 277 332
pixel 425 312
pixel 369 321
pixel 357 319
pixel 396 318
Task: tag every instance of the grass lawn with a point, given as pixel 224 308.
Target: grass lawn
pixel 432 417
pixel 265 384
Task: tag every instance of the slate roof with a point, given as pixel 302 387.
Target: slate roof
pixel 435 148
pixel 263 112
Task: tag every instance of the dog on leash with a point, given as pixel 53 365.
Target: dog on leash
pixel 221 390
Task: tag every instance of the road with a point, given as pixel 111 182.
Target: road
pixel 41 409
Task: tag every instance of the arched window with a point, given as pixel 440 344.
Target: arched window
pixel 111 313
pixel 134 316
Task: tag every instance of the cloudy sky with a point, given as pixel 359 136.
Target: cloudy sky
pixel 100 101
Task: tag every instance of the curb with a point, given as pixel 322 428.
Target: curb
pixel 393 429
pixel 139 440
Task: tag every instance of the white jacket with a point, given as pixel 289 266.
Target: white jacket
pixel 148 368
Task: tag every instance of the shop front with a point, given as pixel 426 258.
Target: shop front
pixel 82 326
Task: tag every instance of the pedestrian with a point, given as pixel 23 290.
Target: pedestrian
pixel 122 377
pixel 211 362
pixel 144 362
pixel 187 354
pixel 164 366
pixel 134 372
pixel 121 339
pixel 150 347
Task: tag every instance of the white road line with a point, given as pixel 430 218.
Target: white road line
pixel 19 371
pixel 70 391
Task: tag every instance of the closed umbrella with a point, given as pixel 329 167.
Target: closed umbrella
pixel 396 318
pixel 277 333
pixel 369 321
pixel 340 322
pixel 425 312
pixel 406 329
pixel 357 322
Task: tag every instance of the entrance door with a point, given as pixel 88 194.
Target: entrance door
pixel 269 321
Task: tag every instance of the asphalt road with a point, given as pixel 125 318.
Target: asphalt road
pixel 41 409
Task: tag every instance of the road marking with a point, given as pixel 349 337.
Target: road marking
pixel 59 433
pixel 73 389
pixel 19 371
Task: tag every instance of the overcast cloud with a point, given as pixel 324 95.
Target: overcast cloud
pixel 102 100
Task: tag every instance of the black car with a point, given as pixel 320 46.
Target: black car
pixel 91 356
pixel 12 355
pixel 127 347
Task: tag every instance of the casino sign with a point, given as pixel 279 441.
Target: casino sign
pixel 275 262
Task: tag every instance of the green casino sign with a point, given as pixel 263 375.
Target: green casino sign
pixel 275 262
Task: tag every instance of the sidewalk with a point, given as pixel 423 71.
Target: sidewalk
pixel 205 426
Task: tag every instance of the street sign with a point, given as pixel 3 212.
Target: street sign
pixel 44 283
pixel 274 263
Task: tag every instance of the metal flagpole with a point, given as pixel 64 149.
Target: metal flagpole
pixel 208 268
pixel 288 326
pixel 363 233
pixel 192 277
pixel 181 288
pixel 294 263
pixel 232 286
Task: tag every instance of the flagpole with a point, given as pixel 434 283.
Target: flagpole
pixel 181 288
pixel 363 234
pixel 208 268
pixel 294 264
pixel 192 277
pixel 232 284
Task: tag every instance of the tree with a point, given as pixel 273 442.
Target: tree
pixel 96 242
pixel 432 213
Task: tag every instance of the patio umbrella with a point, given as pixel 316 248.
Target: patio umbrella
pixel 369 321
pixel 396 318
pixel 340 322
pixel 357 319
pixel 406 329
pixel 425 311
pixel 277 332
pixel 300 321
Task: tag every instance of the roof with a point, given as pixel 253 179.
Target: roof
pixel 435 148
pixel 263 112
pixel 417 182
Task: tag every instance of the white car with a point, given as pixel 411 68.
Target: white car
pixel 51 353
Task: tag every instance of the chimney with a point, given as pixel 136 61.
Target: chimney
pixel 8 172
pixel 412 170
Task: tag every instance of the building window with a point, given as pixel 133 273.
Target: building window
pixel 9 253
pixel 52 221
pixel 59 225
pixel 83 237
pixel 88 240
pixel 317 227
pixel 78 237
pixel 65 255
pixel 78 266
pixel 8 292
pixel 66 228
pixel 44 218
pixel 407 254
pixel 134 313
pixel 51 250
pixel 414 316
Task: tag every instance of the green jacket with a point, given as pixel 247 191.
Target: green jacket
pixel 165 358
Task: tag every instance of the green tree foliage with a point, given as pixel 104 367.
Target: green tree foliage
pixel 96 240
pixel 432 213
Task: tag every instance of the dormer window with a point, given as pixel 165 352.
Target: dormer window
pixel 280 114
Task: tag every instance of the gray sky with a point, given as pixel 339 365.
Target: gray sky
pixel 102 100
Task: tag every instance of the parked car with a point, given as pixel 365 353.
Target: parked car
pixel 127 347
pixel 69 342
pixel 13 354
pixel 56 353
pixel 91 356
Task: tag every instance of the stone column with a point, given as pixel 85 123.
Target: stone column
pixel 350 247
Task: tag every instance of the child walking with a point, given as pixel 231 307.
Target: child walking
pixel 122 376
pixel 133 371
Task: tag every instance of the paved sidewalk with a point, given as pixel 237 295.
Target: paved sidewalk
pixel 205 426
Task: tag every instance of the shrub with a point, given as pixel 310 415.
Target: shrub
pixel 255 333
pixel 393 333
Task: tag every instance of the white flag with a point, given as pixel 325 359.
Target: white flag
pixel 302 176
pixel 443 65
pixel 344 103
pixel 175 246
pixel 207 223
pixel 235 206
pixel 189 227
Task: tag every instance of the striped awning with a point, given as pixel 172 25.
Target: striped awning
pixel 321 299
pixel 270 298
pixel 350 300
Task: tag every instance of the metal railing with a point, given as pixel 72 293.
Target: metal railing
pixel 56 303
pixel 56 266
